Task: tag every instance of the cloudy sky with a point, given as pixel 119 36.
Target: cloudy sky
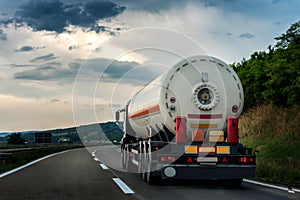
pixel 72 62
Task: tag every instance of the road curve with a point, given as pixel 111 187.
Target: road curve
pixel 78 175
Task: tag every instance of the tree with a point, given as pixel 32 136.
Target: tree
pixel 290 38
pixel 15 138
pixel 273 76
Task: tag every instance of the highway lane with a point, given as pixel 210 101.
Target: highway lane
pixel 187 189
pixel 71 175
pixel 76 175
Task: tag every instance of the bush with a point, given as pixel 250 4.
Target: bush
pixel 274 131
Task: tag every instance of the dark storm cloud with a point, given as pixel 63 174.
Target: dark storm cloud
pixel 246 35
pixel 2 35
pixel 25 49
pixel 159 5
pixel 49 71
pixel 153 5
pixel 43 58
pixel 16 65
pixel 54 15
pixel 109 71
pixel 129 72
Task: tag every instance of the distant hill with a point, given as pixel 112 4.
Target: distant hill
pixel 88 134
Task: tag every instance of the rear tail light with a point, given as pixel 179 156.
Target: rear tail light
pixel 167 159
pixel 224 160
pixel 170 158
pixel 163 159
pixel 246 159
pixel 189 160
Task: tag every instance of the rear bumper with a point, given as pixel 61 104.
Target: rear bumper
pixel 214 172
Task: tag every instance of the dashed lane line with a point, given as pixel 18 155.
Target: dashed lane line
pixel 123 186
pixel 103 166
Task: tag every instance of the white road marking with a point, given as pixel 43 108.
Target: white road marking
pixel 103 166
pixel 135 162
pixel 266 185
pixel 123 186
pixel 31 163
pixel 93 154
pixel 96 159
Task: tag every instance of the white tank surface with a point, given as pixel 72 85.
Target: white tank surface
pixel 201 88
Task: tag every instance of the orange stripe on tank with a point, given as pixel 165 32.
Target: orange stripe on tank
pixel 145 111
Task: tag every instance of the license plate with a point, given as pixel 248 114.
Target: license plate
pixel 207 159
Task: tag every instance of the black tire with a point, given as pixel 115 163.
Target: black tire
pixel 153 180
pixel 150 178
pixel 236 181
pixel 144 173
pixel 233 181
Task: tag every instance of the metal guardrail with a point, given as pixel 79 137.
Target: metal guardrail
pixel 5 156
pixel 17 150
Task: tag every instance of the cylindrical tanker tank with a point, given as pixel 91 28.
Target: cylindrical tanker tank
pixel 203 89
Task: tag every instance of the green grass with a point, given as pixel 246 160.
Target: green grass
pixel 21 158
pixel 274 131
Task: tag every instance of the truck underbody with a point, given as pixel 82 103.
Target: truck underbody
pixel 156 160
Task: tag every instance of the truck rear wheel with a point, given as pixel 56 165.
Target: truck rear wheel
pixel 150 178
pixel 236 181
pixel 232 182
pixel 153 180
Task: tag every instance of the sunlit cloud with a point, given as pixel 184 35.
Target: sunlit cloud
pixel 47 45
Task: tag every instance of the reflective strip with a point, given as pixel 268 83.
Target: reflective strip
pixel 205 116
pixel 216 133
pixel 223 149
pixel 204 126
pixel 191 149
pixel 216 136
pixel 216 139
pixel 207 149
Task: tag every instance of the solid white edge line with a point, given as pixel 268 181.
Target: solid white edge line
pixel 103 166
pixel 31 163
pixel 123 186
pixel 267 185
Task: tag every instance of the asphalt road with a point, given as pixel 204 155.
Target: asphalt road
pixel 76 175
pixel 71 175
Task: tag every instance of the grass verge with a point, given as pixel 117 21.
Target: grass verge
pixel 274 132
